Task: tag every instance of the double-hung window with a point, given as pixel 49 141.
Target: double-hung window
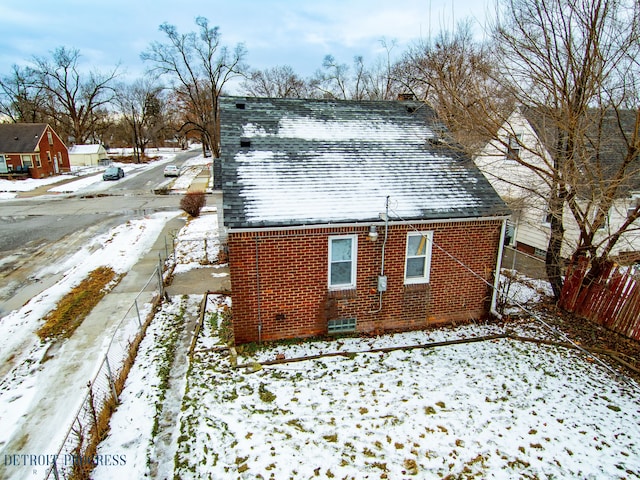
pixel 27 161
pixel 418 257
pixel 513 148
pixel 342 262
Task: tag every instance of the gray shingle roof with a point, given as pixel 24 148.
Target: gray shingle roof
pixel 289 162
pixel 20 137
pixel 604 140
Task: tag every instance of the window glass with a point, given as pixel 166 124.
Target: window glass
pixel 418 257
pixel 342 261
pixel 415 267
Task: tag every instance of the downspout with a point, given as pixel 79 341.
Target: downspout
pixel 258 292
pixel 496 280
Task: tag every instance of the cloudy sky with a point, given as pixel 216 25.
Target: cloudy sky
pixel 298 33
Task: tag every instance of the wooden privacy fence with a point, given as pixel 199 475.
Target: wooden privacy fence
pixel 611 299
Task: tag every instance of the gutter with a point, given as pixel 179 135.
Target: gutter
pixel 364 223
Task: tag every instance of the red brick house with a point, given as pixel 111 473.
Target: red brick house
pixel 31 149
pixel 344 216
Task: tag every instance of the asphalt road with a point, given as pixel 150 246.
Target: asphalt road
pixel 40 220
pixel 47 228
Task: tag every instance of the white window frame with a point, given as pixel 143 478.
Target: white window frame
pixel 514 145
pixel 546 218
pixel 635 200
pixel 26 160
pixel 354 261
pixel 425 278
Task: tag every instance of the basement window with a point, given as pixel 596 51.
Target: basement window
pixel 341 325
pixel 245 143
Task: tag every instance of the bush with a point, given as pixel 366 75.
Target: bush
pixel 193 202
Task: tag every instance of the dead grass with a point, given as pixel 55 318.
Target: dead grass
pixel 78 303
pixel 100 428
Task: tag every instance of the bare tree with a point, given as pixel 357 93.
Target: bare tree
pixel 333 80
pixel 575 63
pixel 358 82
pixel 276 82
pixel 200 67
pixel 457 76
pixel 141 105
pixel 381 81
pixel 73 99
pixel 20 99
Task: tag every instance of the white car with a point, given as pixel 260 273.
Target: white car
pixel 171 171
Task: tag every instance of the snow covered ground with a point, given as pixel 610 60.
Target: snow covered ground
pixel 26 373
pixel 491 409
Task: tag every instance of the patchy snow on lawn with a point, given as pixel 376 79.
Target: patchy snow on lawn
pixel 10 188
pixel 189 171
pixel 197 243
pixel 20 348
pixel 496 409
pixel 490 409
pixel 138 415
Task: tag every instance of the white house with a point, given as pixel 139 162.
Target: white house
pixel 87 155
pixel 526 190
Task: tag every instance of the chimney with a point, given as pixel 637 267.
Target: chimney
pixel 406 97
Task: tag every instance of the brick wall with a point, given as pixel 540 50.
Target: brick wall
pixel 279 281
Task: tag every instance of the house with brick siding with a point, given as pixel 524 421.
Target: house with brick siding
pixel 352 216
pixel 31 150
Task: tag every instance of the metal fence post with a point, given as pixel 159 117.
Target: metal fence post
pixel 160 282
pixel 111 382
pixel 135 302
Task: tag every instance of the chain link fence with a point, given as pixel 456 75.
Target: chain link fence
pixel 77 455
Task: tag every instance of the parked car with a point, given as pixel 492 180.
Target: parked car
pixel 113 173
pixel 171 171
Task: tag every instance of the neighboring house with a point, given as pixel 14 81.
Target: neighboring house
pixel 345 216
pixel 88 155
pixel 31 149
pixel 526 136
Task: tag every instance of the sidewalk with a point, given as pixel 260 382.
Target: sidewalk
pixel 58 383
pixel 62 376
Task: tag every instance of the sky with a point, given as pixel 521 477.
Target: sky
pixel 274 32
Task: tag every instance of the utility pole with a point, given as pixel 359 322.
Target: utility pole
pixel 136 153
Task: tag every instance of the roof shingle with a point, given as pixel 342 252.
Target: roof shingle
pixel 290 162
pixel 20 137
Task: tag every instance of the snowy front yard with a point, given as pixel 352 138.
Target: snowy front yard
pixel 492 409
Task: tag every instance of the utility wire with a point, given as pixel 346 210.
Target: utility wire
pixel 554 330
